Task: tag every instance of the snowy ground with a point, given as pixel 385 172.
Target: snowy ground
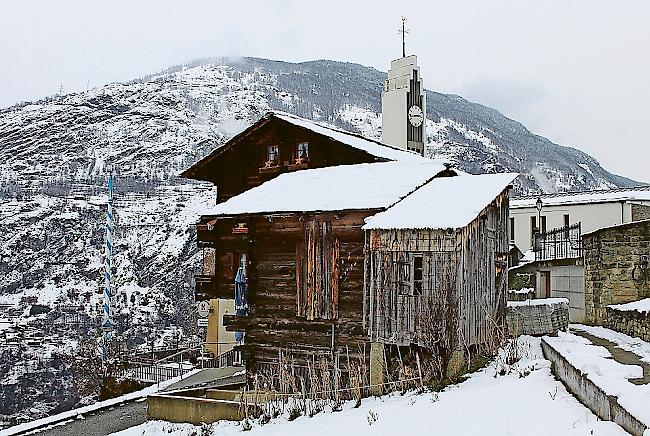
pixel 522 399
pixel 610 375
pixel 629 343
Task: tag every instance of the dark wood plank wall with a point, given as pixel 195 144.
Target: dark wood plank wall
pixel 276 321
pixel 237 169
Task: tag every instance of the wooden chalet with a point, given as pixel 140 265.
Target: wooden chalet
pixel 293 199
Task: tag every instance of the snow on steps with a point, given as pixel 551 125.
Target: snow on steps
pixel 599 382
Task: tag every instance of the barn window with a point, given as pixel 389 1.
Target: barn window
pixel 417 274
pixel 302 151
pixel 272 154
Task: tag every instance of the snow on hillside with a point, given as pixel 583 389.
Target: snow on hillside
pixel 51 252
pixel 520 399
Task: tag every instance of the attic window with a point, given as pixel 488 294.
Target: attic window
pixel 302 152
pixel 272 154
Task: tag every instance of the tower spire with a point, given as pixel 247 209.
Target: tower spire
pixel 404 31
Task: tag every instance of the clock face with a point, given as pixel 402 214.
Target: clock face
pixel 416 117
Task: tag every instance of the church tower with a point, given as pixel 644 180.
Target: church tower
pixel 403 103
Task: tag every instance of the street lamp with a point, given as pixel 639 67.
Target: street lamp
pixel 539 204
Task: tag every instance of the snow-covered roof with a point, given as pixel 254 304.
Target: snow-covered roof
pixel 641 193
pixel 375 148
pixel 445 202
pixel 344 187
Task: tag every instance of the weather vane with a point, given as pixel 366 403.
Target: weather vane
pixel 404 31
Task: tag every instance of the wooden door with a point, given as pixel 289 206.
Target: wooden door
pixel 545 284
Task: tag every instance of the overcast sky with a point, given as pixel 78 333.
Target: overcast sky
pixel 577 72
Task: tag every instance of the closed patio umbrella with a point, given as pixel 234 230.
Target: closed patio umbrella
pixel 241 303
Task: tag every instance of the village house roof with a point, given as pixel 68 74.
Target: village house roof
pixel 640 193
pixel 445 202
pixel 344 187
pixel 371 146
pixel 380 151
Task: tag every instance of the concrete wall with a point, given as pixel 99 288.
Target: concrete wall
pixel 604 406
pixel 191 410
pixel 630 322
pixel 569 282
pixel 610 258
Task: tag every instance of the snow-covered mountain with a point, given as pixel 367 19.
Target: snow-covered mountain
pixel 53 162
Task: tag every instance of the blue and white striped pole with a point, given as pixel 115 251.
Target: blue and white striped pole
pixel 107 321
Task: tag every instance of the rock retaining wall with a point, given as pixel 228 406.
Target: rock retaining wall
pixel 630 322
pixel 543 316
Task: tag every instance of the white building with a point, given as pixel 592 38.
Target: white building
pixel 558 267
pixel 593 210
pixel 403 106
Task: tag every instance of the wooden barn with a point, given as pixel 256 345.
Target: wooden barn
pixel 293 199
pixel 437 264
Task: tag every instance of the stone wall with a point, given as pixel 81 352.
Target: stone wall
pixel 640 212
pixel 630 322
pixel 611 255
pixel 543 316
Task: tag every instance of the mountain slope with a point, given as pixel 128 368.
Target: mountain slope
pixel 158 125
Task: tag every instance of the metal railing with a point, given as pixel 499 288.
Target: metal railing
pixel 561 243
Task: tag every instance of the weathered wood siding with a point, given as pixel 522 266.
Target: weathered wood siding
pixel 394 312
pixel 467 266
pixel 483 258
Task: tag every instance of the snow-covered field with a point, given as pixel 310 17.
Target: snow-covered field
pixel 519 399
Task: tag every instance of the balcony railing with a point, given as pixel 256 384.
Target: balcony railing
pixel 560 243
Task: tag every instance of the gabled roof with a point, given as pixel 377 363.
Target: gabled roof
pixel 640 193
pixel 443 203
pixel 371 146
pixel 344 187
pixel 380 151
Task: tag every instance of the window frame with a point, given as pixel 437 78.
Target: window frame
pixel 298 151
pixel 276 154
pixel 417 283
pixel 533 227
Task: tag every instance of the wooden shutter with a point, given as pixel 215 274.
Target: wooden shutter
pixel 317 272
